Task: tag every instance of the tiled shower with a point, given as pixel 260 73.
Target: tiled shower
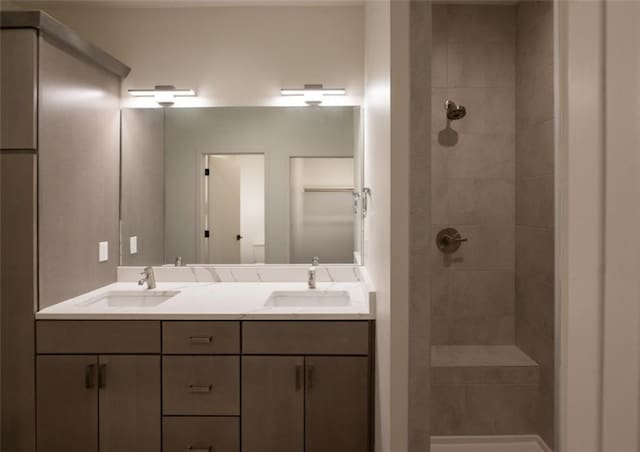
pixel 493 180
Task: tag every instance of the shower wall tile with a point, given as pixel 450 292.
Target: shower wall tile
pixel 535 202
pixel 534 300
pixel 481 201
pixel 482 156
pixel 439 69
pixel 473 173
pixel 535 156
pixel 535 95
pixel 481 64
pixel 484 409
pixel 440 23
pixel 490 247
pixel 499 374
pixel 480 22
pixel 496 409
pixel 481 330
pixel 480 293
pixel 535 254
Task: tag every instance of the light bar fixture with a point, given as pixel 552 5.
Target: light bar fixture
pixel 164 94
pixel 313 94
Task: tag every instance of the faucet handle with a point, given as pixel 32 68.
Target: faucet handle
pixel 315 261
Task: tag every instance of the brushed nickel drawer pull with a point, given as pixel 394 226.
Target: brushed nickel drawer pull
pixel 200 339
pixel 200 389
pixel 199 449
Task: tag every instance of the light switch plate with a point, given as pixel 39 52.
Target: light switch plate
pixel 133 244
pixel 103 251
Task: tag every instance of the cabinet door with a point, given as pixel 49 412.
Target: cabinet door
pixel 67 404
pixel 272 404
pixel 337 404
pixel 130 418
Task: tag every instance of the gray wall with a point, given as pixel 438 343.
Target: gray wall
pixel 142 185
pixel 473 173
pixel 535 199
pixel 277 132
pixel 78 180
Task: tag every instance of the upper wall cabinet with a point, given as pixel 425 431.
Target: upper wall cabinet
pixel 18 75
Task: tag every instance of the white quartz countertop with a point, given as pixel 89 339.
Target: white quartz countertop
pixel 216 301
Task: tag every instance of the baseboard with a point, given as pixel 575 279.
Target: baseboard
pixel 492 439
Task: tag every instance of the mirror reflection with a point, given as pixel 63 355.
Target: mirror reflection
pixel 241 185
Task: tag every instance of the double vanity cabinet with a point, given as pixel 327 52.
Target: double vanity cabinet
pixel 204 386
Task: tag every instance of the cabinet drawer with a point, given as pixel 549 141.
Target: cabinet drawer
pixel 200 337
pixel 305 338
pixel 201 385
pixel 200 434
pixel 98 336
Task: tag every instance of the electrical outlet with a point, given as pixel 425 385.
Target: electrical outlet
pixel 103 251
pixel 133 244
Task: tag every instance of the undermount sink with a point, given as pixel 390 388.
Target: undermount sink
pixel 309 298
pixel 130 299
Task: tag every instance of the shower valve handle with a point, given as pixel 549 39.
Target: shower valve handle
pixel 449 240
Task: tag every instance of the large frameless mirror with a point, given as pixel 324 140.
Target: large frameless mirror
pixel 241 185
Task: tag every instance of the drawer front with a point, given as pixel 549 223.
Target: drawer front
pixel 98 336
pixel 200 434
pixel 200 337
pixel 305 338
pixel 201 385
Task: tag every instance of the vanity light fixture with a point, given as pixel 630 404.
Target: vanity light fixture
pixel 164 94
pixel 313 94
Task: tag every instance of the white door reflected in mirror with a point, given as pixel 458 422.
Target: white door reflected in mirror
pixel 233 211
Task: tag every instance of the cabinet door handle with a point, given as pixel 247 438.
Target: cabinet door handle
pixel 102 376
pixel 200 389
pixel 310 371
pixel 88 376
pixel 200 339
pixel 298 377
pixel 199 449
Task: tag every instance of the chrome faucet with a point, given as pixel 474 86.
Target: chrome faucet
pixel 148 277
pixel 312 273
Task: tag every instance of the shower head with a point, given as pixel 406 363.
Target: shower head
pixel 454 111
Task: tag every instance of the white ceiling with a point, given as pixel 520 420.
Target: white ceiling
pixel 195 3
pixel 179 3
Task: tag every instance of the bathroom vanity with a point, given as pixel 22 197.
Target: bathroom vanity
pixel 265 367
pixel 243 350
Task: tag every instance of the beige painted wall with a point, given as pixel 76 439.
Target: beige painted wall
pixel 386 125
pixel 598 267
pixel 231 56
pixel 621 324
pixel 78 174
